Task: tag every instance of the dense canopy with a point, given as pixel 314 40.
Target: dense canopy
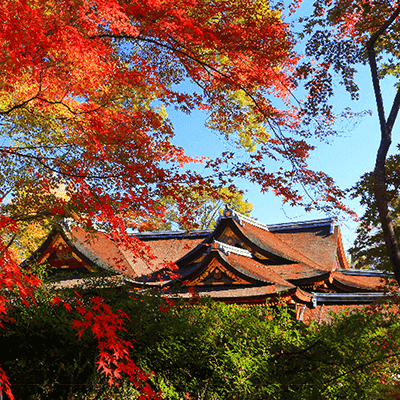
pixel 84 91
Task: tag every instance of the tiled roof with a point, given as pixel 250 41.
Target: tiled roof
pixel 245 267
pixel 358 282
pixel 248 294
pixel 103 251
pixel 299 272
pixel 262 260
pixel 100 249
pixel 270 242
pixel 317 242
pixel 256 270
pixel 167 235
pixel 89 283
pixel 170 249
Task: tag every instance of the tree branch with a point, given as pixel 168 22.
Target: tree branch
pixel 380 189
pixel 393 112
pixel 375 36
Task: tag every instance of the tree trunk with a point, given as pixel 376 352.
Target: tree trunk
pixel 380 191
pixel 383 209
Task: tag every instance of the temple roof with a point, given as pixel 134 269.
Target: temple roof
pixel 241 260
pixel 360 282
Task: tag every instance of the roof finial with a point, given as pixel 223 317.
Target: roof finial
pixel 227 211
pixel 241 218
pixel 66 225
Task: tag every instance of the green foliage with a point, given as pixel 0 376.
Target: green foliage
pixel 206 350
pixel 369 249
pixel 42 355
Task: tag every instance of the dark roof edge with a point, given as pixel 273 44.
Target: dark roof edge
pixel 303 224
pixel 172 234
pixel 236 215
pixel 43 247
pixel 347 297
pixel 365 272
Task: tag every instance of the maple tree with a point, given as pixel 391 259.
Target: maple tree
pixel 84 89
pixel 83 95
pixel 344 34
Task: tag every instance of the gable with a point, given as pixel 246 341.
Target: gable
pixel 58 255
pixel 216 273
pixel 269 250
pixel 240 261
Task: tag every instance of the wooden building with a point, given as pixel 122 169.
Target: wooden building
pixel 240 261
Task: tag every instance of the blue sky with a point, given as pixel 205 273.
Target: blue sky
pixel 346 158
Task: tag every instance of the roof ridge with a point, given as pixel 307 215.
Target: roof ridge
pixel 273 278
pixel 172 234
pixel 298 256
pixel 299 224
pixel 227 248
pixel 78 245
pixel 240 218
